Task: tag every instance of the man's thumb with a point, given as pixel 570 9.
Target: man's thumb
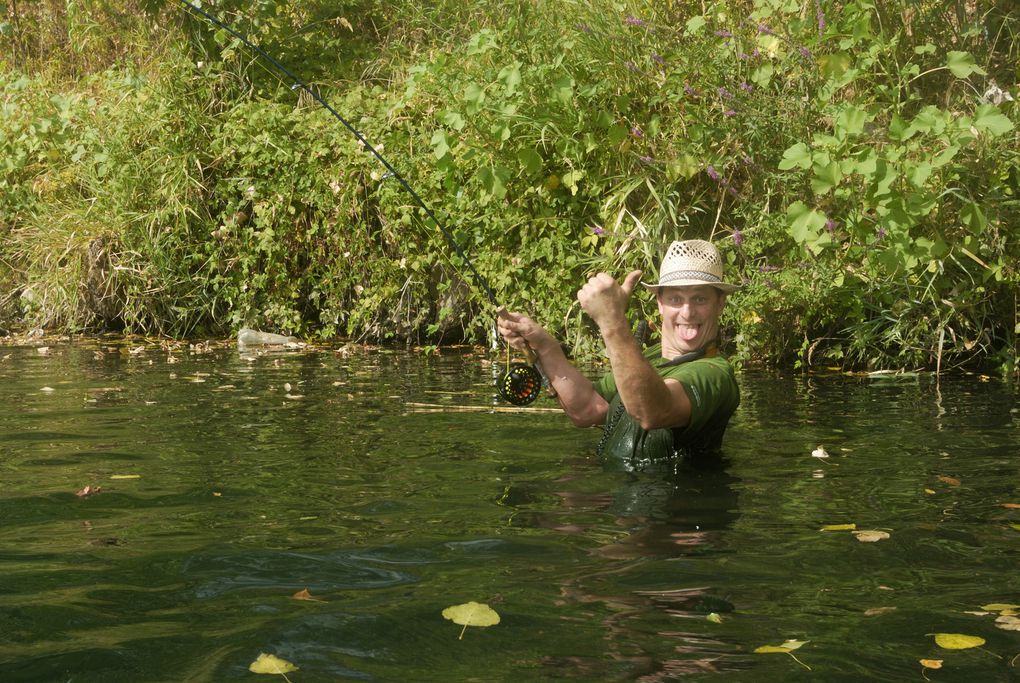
pixel 630 281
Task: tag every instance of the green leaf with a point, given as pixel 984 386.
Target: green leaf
pixel 851 120
pixel 471 614
pixel 989 118
pixel 797 156
pixel 474 96
pixel 919 174
pixel 974 218
pixel 530 159
pixel 762 76
pixel 807 226
pixel 440 146
pixel 695 24
pixel 511 77
pixel 962 64
pixel 563 89
pixel 453 119
pixel 493 180
pixel 945 156
pixel 826 176
pixel 571 179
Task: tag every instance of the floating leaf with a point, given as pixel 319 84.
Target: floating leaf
pixel 957 641
pixel 471 614
pixel 1011 506
pixel 949 480
pixel 786 648
pixel 1008 622
pixel 870 535
pixel 714 618
pixel 839 527
pixel 88 491
pixel 875 611
pixel 305 595
pixel 271 664
pixel 819 453
pixel 999 606
pixel 125 476
pixel 931 663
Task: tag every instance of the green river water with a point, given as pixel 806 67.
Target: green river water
pixel 229 483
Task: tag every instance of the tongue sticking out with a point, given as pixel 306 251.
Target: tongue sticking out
pixel 687 332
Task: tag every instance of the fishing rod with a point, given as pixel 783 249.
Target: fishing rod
pixel 521 383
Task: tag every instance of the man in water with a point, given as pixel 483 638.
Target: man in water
pixel 673 398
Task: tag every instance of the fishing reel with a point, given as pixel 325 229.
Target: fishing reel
pixel 521 384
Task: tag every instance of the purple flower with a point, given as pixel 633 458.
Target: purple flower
pixel 880 234
pixel 804 52
pixel 730 113
pixel 821 18
pixel 724 34
pixel 598 231
pixel 764 29
pixel 713 174
pixel 637 132
pixel 738 237
pixel 584 28
pixel 633 21
pixel 732 191
pixel 693 92
pixel 756 53
pixel 831 225
pixel 631 66
pixel 657 58
pixel 746 87
pixel 646 159
pixel 725 94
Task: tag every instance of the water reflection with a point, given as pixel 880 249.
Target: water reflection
pixel 252 479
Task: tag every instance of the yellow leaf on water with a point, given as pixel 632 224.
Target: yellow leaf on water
pixel 931 663
pixel 952 481
pixel 770 649
pixel 839 527
pixel 870 536
pixel 1011 506
pixel 787 646
pixel 271 664
pixel 999 606
pixel 714 618
pixel 957 641
pixel 471 614
pixel 125 476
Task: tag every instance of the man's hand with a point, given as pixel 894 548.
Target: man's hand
pixel 521 332
pixel 605 300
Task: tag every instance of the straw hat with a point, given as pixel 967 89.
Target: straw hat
pixel 692 262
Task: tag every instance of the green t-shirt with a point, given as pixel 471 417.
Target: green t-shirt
pixel 712 389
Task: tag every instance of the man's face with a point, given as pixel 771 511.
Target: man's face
pixel 690 317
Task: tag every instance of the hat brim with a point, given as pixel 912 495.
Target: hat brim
pixel 724 287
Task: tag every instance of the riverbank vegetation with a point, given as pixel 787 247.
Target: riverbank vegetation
pixel 856 161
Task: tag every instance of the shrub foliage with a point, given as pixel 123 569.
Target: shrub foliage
pixel 856 161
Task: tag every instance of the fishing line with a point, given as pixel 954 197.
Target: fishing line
pixel 391 171
pixel 521 383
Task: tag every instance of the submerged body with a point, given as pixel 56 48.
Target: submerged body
pixel 651 407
